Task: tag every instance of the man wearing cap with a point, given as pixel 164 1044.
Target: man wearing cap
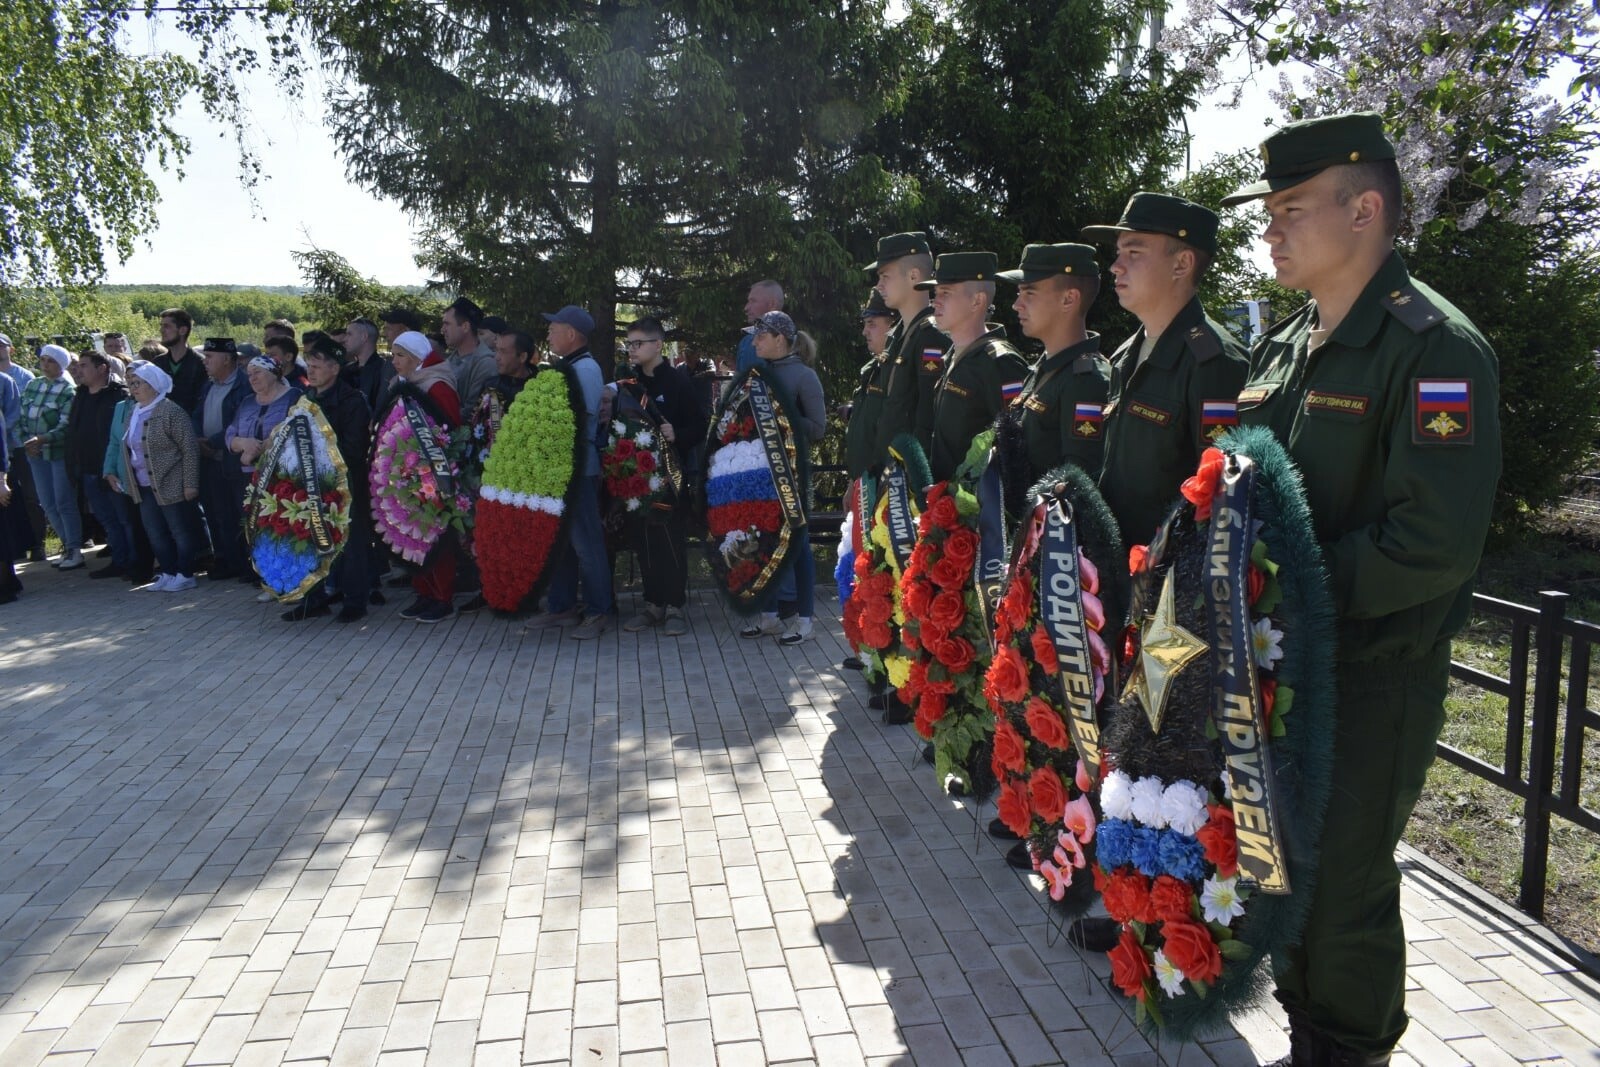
pixel 347 413
pixel 1387 397
pixel 916 345
pixel 861 414
pixel 1062 400
pixel 182 364
pixel 982 372
pixel 227 386
pixel 584 553
pixel 764 296
pixel 470 359
pixel 1174 382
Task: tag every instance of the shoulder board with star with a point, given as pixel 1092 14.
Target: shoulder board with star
pixel 1088 364
pixel 1203 343
pixel 1415 310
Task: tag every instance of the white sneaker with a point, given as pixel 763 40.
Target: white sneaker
pixel 157 586
pixel 799 629
pixel 264 597
pixel 178 583
pixel 71 560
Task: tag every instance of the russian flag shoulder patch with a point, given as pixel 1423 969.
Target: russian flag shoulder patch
pixel 1443 411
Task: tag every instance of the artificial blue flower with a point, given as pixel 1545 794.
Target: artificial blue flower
pixel 1114 843
pixel 739 488
pixel 844 574
pixel 1182 856
pixel 1145 851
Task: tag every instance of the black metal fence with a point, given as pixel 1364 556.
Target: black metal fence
pixel 1557 645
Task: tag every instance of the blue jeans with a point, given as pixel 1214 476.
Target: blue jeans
pixel 583 555
pixel 115 513
pixel 799 573
pixel 175 533
pixel 59 499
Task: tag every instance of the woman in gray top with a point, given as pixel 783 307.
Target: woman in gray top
pixel 786 355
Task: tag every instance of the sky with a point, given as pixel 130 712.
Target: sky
pixel 210 232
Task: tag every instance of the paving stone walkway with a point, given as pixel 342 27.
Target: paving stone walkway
pixel 227 839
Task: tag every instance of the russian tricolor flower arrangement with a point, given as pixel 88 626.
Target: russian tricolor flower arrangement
pixel 1213 798
pixel 297 512
pixel 529 483
pixel 1049 678
pixel 756 481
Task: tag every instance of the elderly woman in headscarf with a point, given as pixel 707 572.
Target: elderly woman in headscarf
pixel 46 402
pixel 159 468
pixel 260 414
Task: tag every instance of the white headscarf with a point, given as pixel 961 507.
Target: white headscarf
pixel 60 356
pixel 414 343
pixel 154 377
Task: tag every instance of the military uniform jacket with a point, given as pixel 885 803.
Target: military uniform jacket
pixel 1063 402
pixel 916 359
pixel 976 384
pixel 1394 423
pixel 866 407
pixel 1163 414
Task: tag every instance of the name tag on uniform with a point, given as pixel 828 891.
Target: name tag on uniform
pixel 875 389
pixel 951 387
pixel 1035 405
pixel 1253 396
pixel 1149 412
pixel 1339 403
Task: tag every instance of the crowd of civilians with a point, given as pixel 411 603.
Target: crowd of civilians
pixel 151 452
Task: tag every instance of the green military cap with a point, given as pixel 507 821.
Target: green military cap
pixel 963 267
pixel 897 246
pixel 1302 150
pixel 875 306
pixel 1048 261
pixel 1160 213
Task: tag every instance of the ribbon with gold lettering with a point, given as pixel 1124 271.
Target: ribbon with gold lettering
pixel 1237 709
pixel 778 447
pixel 989 571
pixel 898 511
pixel 317 517
pixel 1061 614
pixel 430 448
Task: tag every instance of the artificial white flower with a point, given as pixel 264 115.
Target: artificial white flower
pixel 1268 643
pixel 1147 793
pixel 1183 806
pixel 618 428
pixel 1168 975
pixel 645 439
pixel 1220 901
pixel 655 482
pixel 633 505
pixel 1116 795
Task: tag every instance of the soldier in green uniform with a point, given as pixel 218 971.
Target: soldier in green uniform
pixel 982 372
pixel 1064 396
pixel 916 346
pixel 1387 397
pixel 866 404
pixel 1174 382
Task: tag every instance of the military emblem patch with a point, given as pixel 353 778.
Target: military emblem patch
pixel 1217 417
pixel 932 360
pixel 1009 391
pixel 1086 419
pixel 1444 411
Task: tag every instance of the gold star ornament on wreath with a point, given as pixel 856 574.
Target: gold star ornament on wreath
pixel 1165 648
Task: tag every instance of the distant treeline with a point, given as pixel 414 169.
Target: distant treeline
pixel 216 305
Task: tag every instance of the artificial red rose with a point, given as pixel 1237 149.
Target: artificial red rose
pixel 1013 808
pixel 962 546
pixel 948 574
pixel 918 679
pixel 876 635
pixel 647 461
pixel 1126 894
pixel 1009 674
pixel 909 639
pixel 1190 947
pixel 930 709
pixel 1010 753
pixel 937 491
pixel 743 574
pixel 1200 488
pixel 863 565
pixel 921 557
pixel 877 608
pixel 1170 899
pixel 852 627
pixel 1269 697
pixel 1048 793
pixel 1258 582
pixel 1130 967
pixel 932 634
pixel 943 512
pixel 1130 645
pixel 956 654
pixel 1220 840
pixel 623 448
pixel 1045 724
pixel 1138 558
pixel 1044 651
pixel 1017 605
pixel 947 610
pixel 1003 633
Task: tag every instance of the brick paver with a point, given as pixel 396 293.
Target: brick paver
pixel 227 839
